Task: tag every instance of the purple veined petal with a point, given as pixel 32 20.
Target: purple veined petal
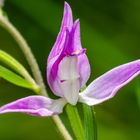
pixel 57 51
pixel 83 63
pixel 74 44
pixel 52 69
pixel 73 47
pixel 35 106
pixel 67 22
pixel 84 69
pixel 107 85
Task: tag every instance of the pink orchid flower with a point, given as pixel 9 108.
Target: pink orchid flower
pixel 68 70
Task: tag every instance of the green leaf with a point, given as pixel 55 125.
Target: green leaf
pixel 90 127
pixel 14 78
pixel 89 121
pixel 12 63
pixel 75 121
pixel 17 67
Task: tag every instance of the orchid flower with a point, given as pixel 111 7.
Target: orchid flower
pixel 68 70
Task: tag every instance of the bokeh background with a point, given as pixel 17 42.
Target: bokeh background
pixel 110 30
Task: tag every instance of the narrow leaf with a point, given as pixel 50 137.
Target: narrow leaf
pixel 14 78
pixel 90 127
pixel 75 121
pixel 16 66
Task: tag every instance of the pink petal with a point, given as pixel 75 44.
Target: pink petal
pixel 74 39
pixel 67 22
pixel 57 51
pixel 52 69
pixel 107 85
pixel 84 69
pixel 83 63
pixel 35 105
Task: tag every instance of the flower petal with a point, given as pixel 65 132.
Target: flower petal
pixel 67 22
pixel 57 51
pixel 35 105
pixel 84 69
pixel 67 17
pixel 76 47
pixel 74 44
pixel 52 69
pixel 106 86
pixel 69 79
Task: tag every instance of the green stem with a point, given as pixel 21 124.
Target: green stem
pixel 90 126
pixel 75 121
pixel 6 24
pixel 61 128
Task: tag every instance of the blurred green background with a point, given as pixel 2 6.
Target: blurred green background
pixel 110 30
